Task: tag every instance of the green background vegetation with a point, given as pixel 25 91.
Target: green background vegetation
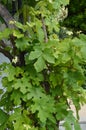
pixel 46 71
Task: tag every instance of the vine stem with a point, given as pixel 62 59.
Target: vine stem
pixel 45 30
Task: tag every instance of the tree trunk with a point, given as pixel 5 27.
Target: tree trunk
pixel 4 13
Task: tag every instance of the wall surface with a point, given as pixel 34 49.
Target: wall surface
pixel 2 59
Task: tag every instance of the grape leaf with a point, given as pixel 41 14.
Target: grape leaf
pixel 40 64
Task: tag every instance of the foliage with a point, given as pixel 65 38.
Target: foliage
pixel 44 74
pixel 76 16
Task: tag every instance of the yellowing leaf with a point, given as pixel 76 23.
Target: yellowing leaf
pixel 18 34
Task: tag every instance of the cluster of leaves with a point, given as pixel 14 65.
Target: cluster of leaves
pixel 76 16
pixel 37 92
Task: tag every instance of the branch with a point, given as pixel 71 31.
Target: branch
pixel 45 30
pixel 12 40
pixel 4 13
pixel 2 44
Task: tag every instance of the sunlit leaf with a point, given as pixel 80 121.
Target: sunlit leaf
pixel 40 64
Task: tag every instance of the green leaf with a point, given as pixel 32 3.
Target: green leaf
pixel 61 109
pixel 65 57
pixel 83 52
pixel 18 34
pixel 16 97
pixel 3 117
pixel 14 72
pixel 82 37
pixel 35 54
pixel 40 34
pixel 3 127
pixel 20 26
pixel 48 56
pixel 22 84
pixel 77 125
pixel 57 3
pixel 1 91
pixel 71 120
pixel 68 126
pixel 22 43
pixel 18 119
pixel 53 79
pixel 35 93
pixel 40 64
pixel 11 73
pixel 45 108
pixel 39 30
pixel 5 33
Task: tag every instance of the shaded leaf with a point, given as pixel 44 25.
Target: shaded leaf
pixel 3 117
pixel 22 43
